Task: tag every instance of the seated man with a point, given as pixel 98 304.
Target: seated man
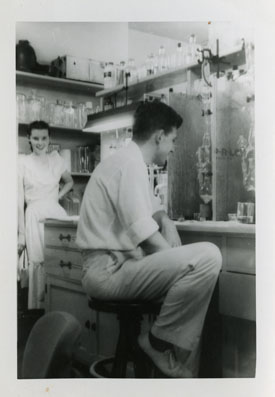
pixel 132 250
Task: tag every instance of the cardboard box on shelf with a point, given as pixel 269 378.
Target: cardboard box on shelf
pixel 84 69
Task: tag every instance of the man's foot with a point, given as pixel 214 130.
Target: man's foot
pixel 165 361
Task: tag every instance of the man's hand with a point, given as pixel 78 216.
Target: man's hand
pixel 170 233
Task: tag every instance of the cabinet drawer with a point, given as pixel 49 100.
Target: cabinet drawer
pixel 63 263
pixel 61 236
pixel 198 237
pixel 240 254
pixel 237 295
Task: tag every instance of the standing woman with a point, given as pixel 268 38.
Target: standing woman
pixel 39 176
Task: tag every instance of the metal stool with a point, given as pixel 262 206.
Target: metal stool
pixel 129 314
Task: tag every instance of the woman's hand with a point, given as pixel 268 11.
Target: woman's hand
pixel 20 248
pixel 68 184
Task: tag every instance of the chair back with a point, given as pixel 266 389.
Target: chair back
pixel 50 346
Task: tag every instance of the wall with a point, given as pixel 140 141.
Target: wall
pixel 98 40
pixel 140 45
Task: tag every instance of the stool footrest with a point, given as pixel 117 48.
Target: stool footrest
pixel 129 359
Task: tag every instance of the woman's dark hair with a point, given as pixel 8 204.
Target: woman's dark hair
pixel 152 116
pixel 38 125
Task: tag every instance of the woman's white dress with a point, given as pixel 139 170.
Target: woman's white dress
pixel 41 186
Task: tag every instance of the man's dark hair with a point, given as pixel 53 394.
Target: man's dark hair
pixel 152 116
pixel 38 125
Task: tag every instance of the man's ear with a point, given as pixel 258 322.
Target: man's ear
pixel 159 136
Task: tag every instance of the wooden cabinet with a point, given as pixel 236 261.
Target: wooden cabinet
pixel 64 292
pixel 237 291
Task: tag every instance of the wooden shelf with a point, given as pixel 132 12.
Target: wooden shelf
pixel 153 83
pixel 55 83
pixel 175 76
pixel 111 116
pixel 61 129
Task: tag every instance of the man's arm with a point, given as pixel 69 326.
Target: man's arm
pixel 167 228
pixel 155 243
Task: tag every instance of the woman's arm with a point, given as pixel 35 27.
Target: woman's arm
pixel 167 228
pixel 21 216
pixel 68 184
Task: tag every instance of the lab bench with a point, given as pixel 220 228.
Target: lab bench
pixel 236 291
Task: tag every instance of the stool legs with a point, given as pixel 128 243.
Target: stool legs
pixel 127 348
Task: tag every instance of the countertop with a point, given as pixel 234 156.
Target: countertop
pixel 216 227
pixel 192 226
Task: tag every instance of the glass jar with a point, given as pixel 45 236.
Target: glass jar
pixel 59 113
pixel 108 104
pixel 69 115
pixel 50 111
pixel 80 116
pixel 34 107
pixel 44 115
pixel 88 110
pixel 21 108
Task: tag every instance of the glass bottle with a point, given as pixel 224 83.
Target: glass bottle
pixel 155 61
pixel 162 60
pixel 128 136
pixel 179 60
pixel 141 72
pixel 81 115
pixel 44 114
pixel 133 71
pixel 191 49
pixel 71 115
pixel 163 98
pixel 148 65
pixel 112 75
pixel 107 76
pixel 88 109
pixel 50 111
pixel 108 104
pixel 121 73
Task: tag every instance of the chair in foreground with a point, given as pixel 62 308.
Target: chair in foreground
pixel 50 346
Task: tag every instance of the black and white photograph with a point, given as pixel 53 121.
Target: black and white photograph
pixel 136 204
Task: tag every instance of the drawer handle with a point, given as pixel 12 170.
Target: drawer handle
pixel 90 325
pixel 61 237
pixel 64 264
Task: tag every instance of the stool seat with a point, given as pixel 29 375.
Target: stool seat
pixel 143 307
pixel 129 314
